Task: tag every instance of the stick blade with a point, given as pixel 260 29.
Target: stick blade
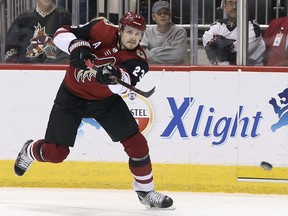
pixel 148 93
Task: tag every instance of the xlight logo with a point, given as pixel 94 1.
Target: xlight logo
pixel 205 123
pixel 281 110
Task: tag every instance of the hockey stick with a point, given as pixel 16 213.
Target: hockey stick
pixel 119 81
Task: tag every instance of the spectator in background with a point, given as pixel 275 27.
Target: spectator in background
pixel 275 38
pixel 29 39
pixel 165 43
pixel 220 41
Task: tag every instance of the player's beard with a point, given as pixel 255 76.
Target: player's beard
pixel 128 45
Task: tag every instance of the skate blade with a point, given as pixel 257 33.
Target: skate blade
pixel 157 208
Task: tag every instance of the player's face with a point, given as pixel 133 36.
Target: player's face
pixel 230 8
pixel 130 38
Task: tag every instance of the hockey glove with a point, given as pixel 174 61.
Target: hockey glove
pixel 220 48
pixel 226 49
pixel 105 73
pixel 79 52
pixel 211 53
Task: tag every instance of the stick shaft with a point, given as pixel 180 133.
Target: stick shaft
pixel 128 86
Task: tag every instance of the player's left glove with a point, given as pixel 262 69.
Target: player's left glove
pixel 79 53
pixel 105 73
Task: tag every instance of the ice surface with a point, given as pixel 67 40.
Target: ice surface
pixel 95 202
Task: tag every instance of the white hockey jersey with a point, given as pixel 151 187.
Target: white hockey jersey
pixel 256 45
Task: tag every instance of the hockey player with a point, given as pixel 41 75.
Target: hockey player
pixel 83 93
pixel 29 38
pixel 220 41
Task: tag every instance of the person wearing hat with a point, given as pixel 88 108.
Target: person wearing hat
pixel 165 43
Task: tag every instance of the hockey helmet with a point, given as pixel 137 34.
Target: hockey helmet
pixel 133 20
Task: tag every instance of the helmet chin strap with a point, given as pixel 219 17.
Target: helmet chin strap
pixel 119 45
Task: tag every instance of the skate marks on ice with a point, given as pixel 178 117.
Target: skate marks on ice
pixel 72 202
pixel 92 202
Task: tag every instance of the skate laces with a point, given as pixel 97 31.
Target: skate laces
pixel 155 198
pixel 24 161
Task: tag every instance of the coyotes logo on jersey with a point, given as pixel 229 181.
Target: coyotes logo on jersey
pixel 40 44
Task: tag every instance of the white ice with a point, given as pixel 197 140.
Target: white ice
pixel 94 202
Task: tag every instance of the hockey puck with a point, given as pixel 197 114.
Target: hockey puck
pixel 266 166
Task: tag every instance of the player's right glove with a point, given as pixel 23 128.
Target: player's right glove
pixel 79 52
pixel 105 73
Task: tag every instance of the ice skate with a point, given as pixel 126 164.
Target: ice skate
pixel 156 200
pixel 23 160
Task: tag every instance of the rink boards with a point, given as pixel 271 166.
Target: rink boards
pixel 207 130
